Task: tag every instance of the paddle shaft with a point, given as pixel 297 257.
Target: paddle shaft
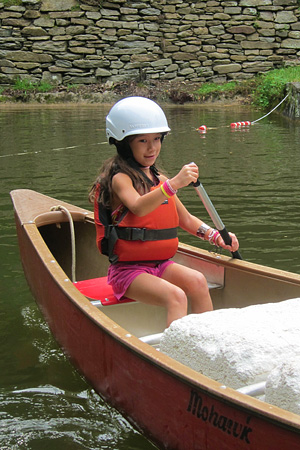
pixel 214 216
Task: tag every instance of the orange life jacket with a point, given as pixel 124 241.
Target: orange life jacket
pixel 136 238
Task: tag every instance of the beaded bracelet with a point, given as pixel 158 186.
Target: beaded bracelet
pixel 174 191
pixel 167 189
pixel 213 237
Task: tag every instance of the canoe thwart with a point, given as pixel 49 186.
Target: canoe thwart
pixel 254 390
pixel 152 339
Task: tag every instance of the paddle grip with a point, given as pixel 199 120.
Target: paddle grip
pixel 227 239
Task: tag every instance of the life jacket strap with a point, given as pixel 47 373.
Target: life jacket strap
pixel 145 234
pixel 108 244
pixel 113 233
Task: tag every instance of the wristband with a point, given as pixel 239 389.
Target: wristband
pixel 163 191
pixel 167 189
pixel 202 230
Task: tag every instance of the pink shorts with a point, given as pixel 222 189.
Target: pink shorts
pixel 121 275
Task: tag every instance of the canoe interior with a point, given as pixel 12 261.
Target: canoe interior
pixel 240 286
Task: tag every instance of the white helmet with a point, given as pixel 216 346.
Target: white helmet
pixel 135 115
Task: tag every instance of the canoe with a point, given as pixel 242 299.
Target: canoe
pixel 109 342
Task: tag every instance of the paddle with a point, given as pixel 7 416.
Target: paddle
pixel 214 216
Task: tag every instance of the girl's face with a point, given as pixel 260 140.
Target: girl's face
pixel 145 148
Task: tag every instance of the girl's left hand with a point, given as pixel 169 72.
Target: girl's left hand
pixel 188 174
pixel 234 243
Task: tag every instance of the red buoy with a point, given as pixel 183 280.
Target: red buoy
pixel 202 129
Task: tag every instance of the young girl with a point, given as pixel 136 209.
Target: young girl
pixel 137 214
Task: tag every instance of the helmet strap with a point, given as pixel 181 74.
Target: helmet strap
pixel 136 166
pixel 124 150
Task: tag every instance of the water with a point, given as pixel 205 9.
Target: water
pixel 251 176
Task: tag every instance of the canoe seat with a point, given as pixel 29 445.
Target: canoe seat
pixel 99 292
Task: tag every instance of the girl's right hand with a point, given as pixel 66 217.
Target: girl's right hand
pixel 188 174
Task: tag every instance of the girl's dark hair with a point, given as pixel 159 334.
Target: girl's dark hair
pixel 125 163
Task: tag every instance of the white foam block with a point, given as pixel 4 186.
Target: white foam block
pixel 283 386
pixel 236 347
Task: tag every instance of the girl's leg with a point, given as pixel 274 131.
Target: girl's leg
pixel 193 283
pixel 157 291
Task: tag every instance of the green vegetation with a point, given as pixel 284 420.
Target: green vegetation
pixel 264 90
pixel 26 85
pixel 22 88
pixel 11 2
pixel 209 88
pixel 76 7
pixel 270 87
pixel 212 91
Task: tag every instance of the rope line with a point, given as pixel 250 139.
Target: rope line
pixel 272 110
pixel 67 212
pixel 50 149
pixel 238 125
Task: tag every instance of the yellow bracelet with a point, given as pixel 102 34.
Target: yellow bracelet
pixel 164 192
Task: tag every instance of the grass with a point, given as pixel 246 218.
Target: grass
pixel 265 90
pixel 22 88
pixel 12 2
pixel 26 85
pixel 209 91
pixel 271 86
pixel 209 88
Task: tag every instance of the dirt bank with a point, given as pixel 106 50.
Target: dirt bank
pixel 179 93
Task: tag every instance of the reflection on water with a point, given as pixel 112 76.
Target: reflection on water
pixel 48 417
pixel 251 176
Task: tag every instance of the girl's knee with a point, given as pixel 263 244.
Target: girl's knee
pixel 197 283
pixel 177 297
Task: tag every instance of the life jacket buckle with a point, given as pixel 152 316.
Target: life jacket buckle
pixel 138 234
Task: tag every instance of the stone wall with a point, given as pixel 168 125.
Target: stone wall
pixel 93 41
pixel 291 108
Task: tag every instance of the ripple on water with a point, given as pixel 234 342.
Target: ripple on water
pixel 63 419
